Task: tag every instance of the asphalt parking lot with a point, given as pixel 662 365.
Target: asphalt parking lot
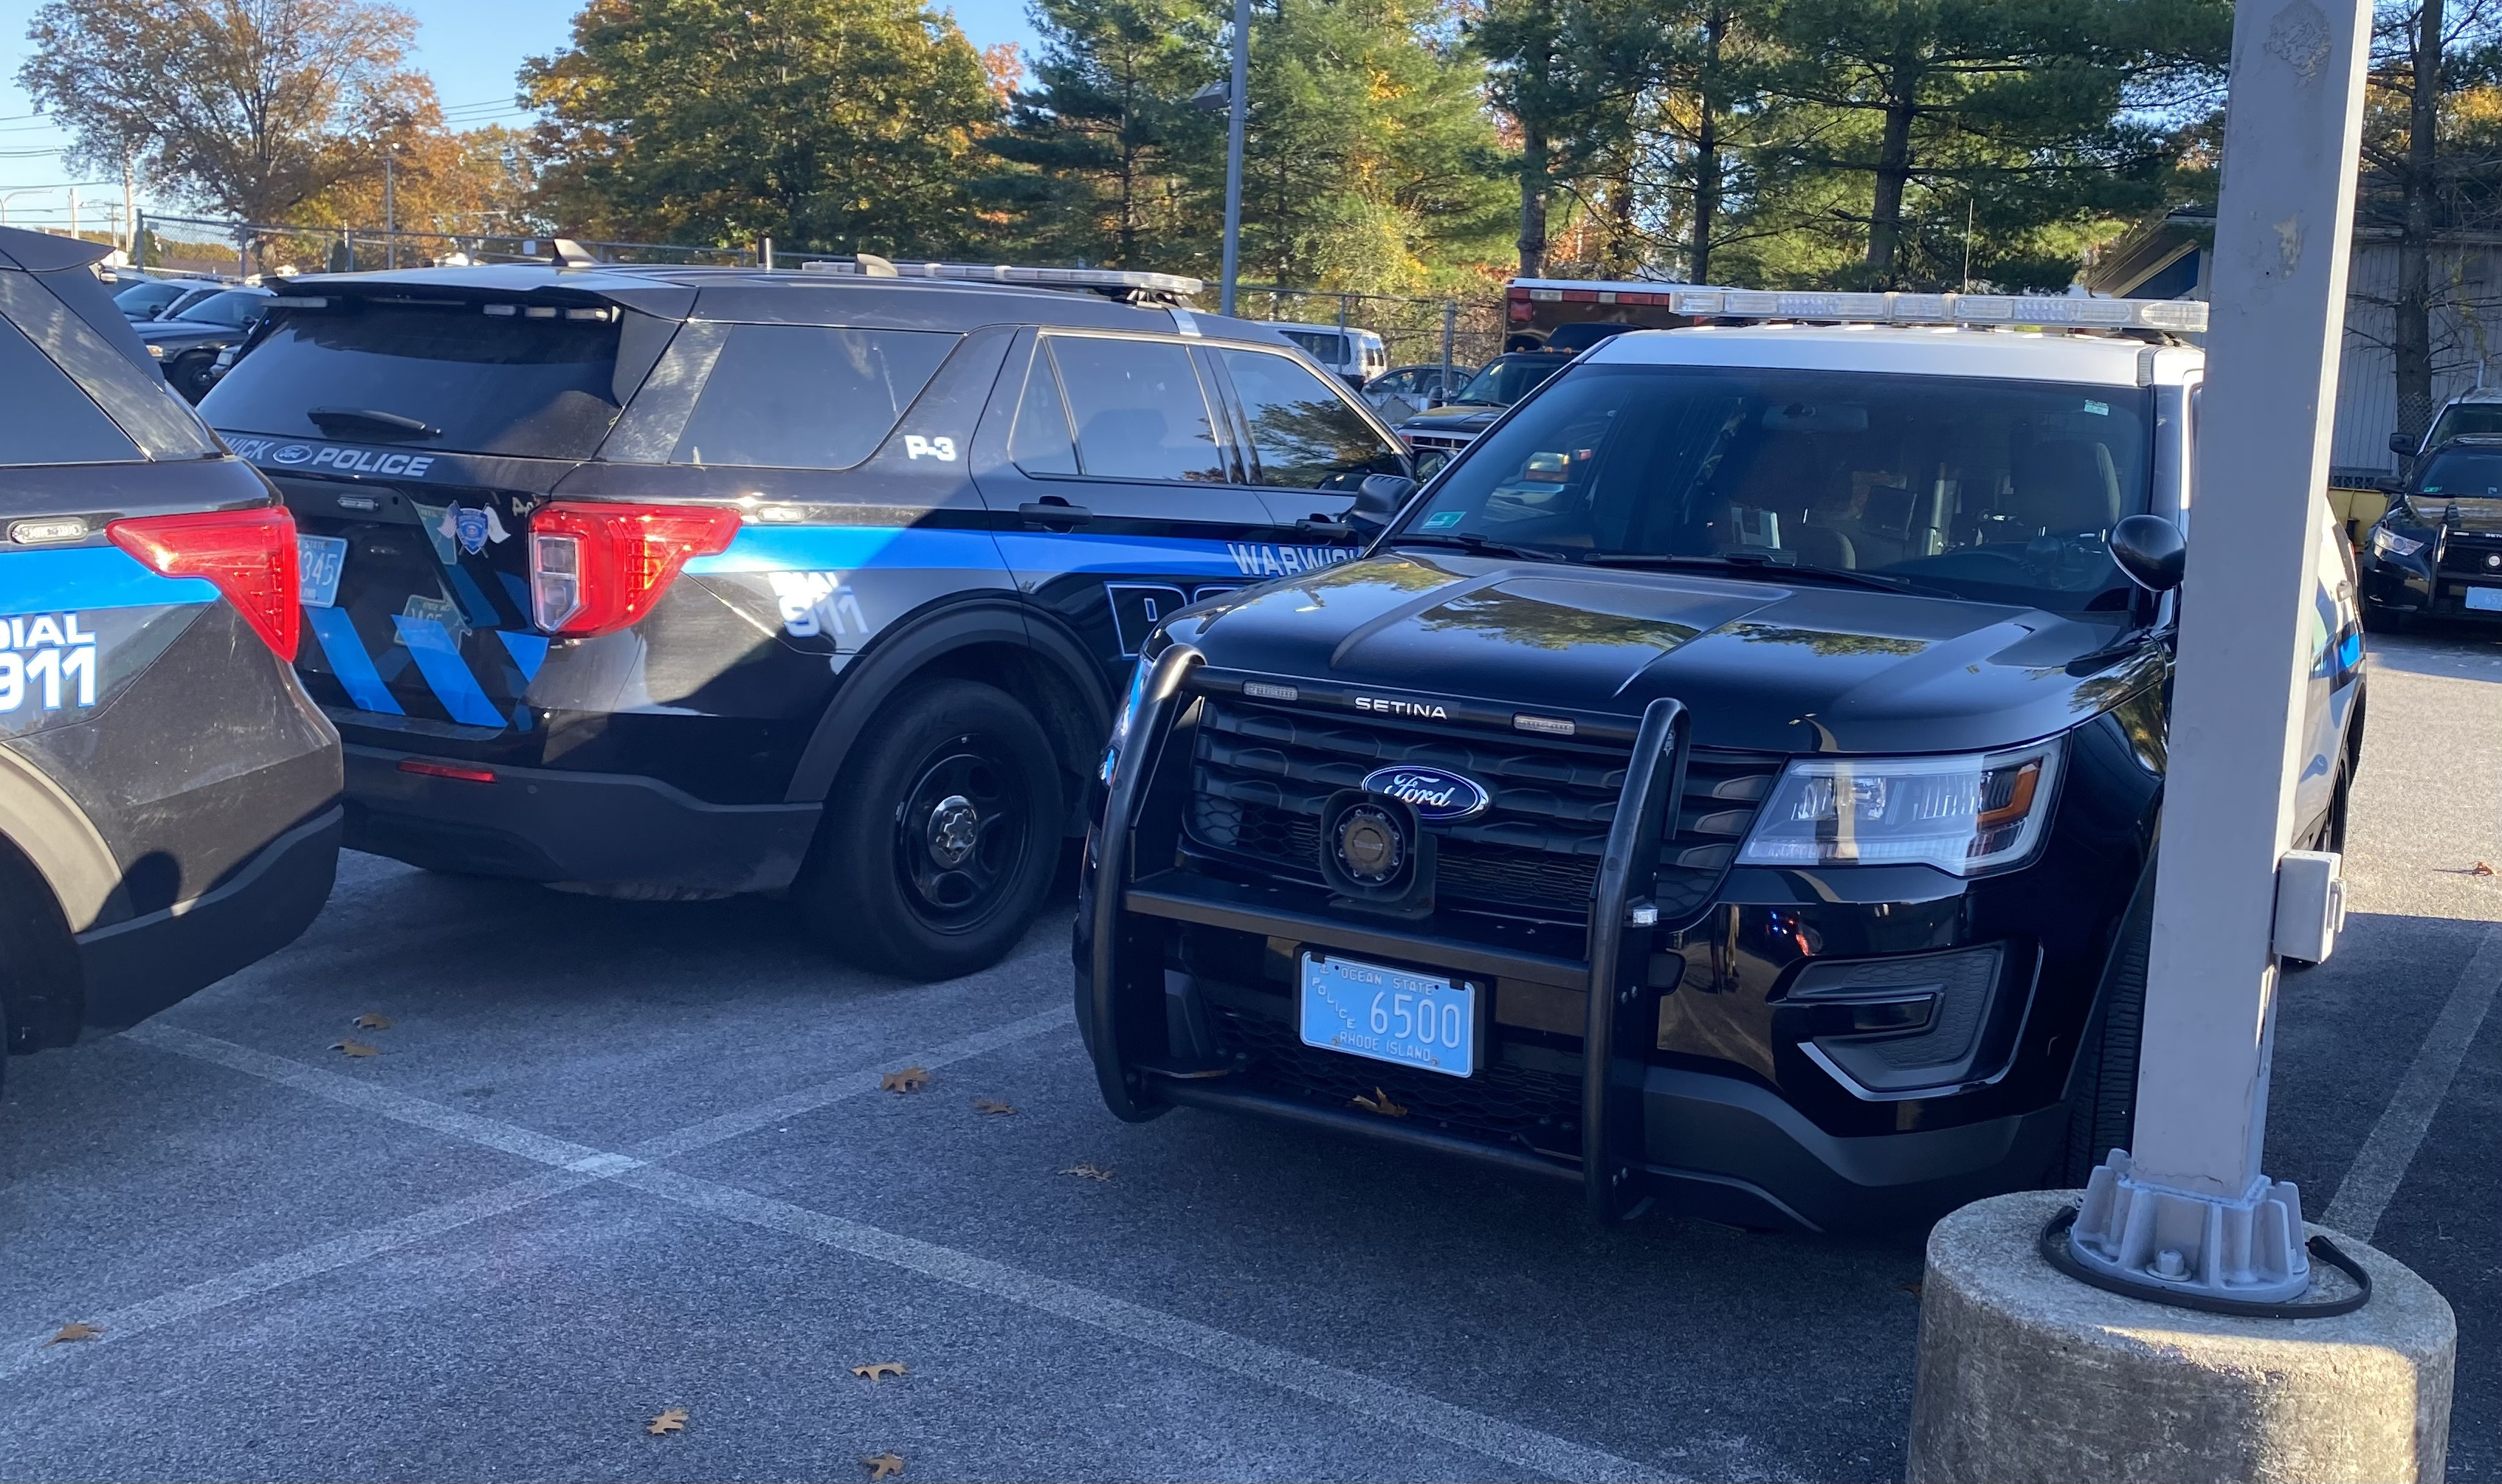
pixel 613 1159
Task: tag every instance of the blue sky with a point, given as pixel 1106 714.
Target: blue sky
pixel 471 47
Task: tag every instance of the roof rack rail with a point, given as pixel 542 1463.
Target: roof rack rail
pixel 1110 280
pixel 2181 317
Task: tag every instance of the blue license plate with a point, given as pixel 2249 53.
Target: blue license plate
pixel 2489 599
pixel 1390 1015
pixel 319 560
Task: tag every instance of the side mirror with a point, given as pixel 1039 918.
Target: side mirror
pixel 2148 552
pixel 1380 499
pixel 2390 484
pixel 2401 444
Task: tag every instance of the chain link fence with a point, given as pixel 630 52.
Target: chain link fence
pixel 1467 332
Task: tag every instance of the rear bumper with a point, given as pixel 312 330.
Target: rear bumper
pixel 548 824
pixel 135 968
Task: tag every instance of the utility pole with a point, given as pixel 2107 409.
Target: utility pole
pixel 1240 111
pixel 2186 1208
pixel 129 207
pixel 74 224
pixel 391 219
pixel 1450 327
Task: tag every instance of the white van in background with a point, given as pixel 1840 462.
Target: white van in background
pixel 1356 356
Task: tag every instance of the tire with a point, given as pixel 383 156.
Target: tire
pixel 940 835
pixel 191 375
pixel 2102 1095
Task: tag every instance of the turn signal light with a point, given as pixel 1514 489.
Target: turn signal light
pixel 250 554
pixel 596 570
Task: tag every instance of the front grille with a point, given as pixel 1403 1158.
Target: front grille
pixel 2465 554
pixel 1445 442
pixel 1502 1105
pixel 1261 774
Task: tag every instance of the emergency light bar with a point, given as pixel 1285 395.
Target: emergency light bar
pixel 1002 273
pixel 2186 317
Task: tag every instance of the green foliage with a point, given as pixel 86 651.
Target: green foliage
pixel 838 124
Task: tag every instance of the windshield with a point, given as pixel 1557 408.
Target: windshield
pixel 2459 473
pixel 1507 379
pixel 232 309
pixel 1996 490
pixel 2466 420
pixel 445 376
pixel 145 297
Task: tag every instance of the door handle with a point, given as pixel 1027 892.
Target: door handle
pixel 1052 512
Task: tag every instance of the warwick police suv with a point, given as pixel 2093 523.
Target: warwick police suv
pixel 169 806
pixel 1734 780
pixel 688 582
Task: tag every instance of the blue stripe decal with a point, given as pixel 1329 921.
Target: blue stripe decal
pixel 849 548
pixel 92 577
pixel 859 548
pixel 528 652
pixel 349 661
pixel 474 606
pixel 439 660
pixel 518 591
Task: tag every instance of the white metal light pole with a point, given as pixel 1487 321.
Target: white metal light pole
pixel 2187 1207
pixel 1240 100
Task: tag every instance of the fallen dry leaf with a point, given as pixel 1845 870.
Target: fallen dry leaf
pixel 883 1465
pixel 357 1048
pixel 675 1420
pixel 369 1021
pixel 911 1079
pixel 1911 1289
pixel 991 1107
pixel 2480 868
pixel 878 1370
pixel 72 1333
pixel 1379 1102
pixel 1087 1172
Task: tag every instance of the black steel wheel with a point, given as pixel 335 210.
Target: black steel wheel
pixel 192 375
pixel 940 835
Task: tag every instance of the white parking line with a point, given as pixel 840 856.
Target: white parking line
pixel 579 1166
pixel 2399 1131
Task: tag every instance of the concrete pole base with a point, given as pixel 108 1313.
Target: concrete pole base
pixel 2026 1374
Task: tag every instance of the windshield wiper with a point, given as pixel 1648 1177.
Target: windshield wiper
pixel 1766 568
pixel 381 426
pixel 1471 542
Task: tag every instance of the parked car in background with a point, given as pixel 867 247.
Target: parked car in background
pixel 1406 391
pixel 140 298
pixel 186 342
pixel 1356 356
pixel 1433 436
pixel 2476 413
pixel 169 796
pixel 2437 552
pixel 685 581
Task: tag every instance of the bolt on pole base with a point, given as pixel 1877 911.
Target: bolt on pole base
pixel 2160 1241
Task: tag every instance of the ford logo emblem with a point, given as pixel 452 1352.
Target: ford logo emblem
pixel 293 454
pixel 1432 793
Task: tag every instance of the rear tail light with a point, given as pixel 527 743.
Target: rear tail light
pixel 250 554
pixel 596 570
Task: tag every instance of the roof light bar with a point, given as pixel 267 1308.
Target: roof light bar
pixel 2180 316
pixel 1004 273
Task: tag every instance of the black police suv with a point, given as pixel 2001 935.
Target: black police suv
pixel 685 581
pixel 1734 780
pixel 186 342
pixel 169 796
pixel 2437 552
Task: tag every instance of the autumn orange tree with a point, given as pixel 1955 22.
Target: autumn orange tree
pixel 246 107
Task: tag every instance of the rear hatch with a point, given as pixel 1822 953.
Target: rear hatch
pixel 412 431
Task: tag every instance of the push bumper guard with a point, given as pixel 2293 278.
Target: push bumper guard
pixel 1124 991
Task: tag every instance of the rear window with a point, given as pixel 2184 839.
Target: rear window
pixel 474 383
pixel 45 418
pixel 806 396
pixel 1328 350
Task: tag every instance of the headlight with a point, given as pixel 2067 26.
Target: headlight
pixel 1967 815
pixel 2390 543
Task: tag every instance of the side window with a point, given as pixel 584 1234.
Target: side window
pixel 45 418
pixel 1304 434
pixel 1137 409
pixel 804 397
pixel 1041 442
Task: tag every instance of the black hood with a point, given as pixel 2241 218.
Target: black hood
pixel 1763 666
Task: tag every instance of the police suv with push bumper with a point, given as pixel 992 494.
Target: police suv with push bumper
pixel 169 796
pixel 682 582
pixel 1734 780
